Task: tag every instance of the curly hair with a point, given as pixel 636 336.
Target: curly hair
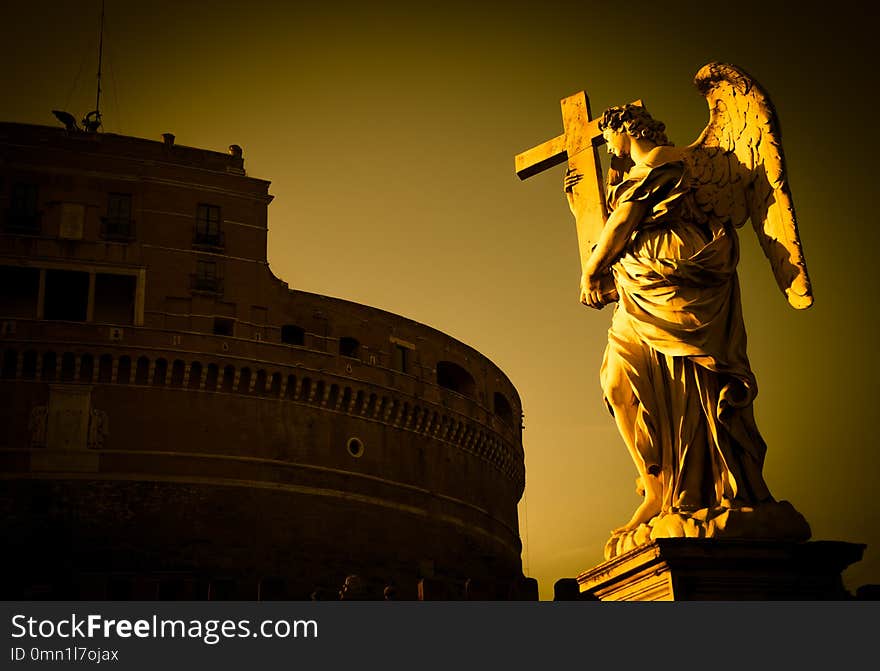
pixel 634 120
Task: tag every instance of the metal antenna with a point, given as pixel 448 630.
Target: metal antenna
pixel 93 124
pixel 100 61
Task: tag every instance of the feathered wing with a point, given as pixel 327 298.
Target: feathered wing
pixel 739 169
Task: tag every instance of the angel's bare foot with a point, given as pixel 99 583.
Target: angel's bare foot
pixel 643 514
pixel 649 508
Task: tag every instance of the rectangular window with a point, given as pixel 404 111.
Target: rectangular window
pixel 208 226
pixel 224 326
pixel 206 270
pixel 114 298
pixel 67 295
pixel 23 216
pixel 207 277
pixel 19 291
pixel 401 356
pixel 117 225
pixel 293 335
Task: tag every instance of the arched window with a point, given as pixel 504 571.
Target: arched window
pixel 334 396
pixel 50 362
pixel 211 377
pixel 10 361
pixel 105 368
pixel 260 384
pixel 228 378
pixel 195 376
pixel 177 370
pixel 244 381
pixel 290 389
pixel 68 365
pixel 452 376
pixel 501 407
pixel 123 373
pixel 275 387
pixel 142 370
pixel 160 372
pixel 86 368
pixel 29 365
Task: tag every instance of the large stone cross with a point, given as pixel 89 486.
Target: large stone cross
pixel 579 144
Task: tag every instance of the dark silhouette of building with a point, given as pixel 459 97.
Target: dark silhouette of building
pixel 178 423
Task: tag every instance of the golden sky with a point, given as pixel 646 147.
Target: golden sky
pixel 388 131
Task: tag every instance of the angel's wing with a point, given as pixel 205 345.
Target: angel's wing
pixel 739 169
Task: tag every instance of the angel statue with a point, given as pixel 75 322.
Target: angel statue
pixel 675 374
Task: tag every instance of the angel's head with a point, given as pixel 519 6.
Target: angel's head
pixel 619 124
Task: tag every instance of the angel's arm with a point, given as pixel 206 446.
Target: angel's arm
pixel 612 242
pixel 615 234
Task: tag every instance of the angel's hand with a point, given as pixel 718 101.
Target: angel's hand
pixel 591 291
pixel 572 177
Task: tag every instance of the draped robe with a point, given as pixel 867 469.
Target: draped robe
pixel 675 368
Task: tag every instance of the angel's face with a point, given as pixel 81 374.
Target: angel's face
pixel 617 143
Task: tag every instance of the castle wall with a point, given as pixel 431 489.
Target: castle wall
pixel 163 384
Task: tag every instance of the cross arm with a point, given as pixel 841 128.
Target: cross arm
pixel 578 147
pixel 580 132
pixel 540 158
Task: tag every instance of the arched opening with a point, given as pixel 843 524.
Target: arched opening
pixel 501 407
pixel 123 372
pixel 68 365
pixel 213 372
pixel 228 378
pixel 260 383
pixel 86 368
pixel 29 365
pixel 105 369
pixel 142 370
pixel 290 390
pixel 160 372
pixel 244 381
pixel 195 375
pixel 10 362
pixel 177 371
pixel 452 376
pixel 275 386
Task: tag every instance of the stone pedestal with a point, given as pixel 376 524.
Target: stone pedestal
pixel 688 569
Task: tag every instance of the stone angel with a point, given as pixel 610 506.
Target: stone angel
pixel 675 373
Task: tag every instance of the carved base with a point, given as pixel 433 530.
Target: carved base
pixel 686 569
pixel 776 520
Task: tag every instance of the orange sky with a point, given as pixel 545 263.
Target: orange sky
pixel 388 132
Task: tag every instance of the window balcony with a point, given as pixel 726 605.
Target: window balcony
pixel 214 241
pixel 206 283
pixel 119 230
pixel 20 223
